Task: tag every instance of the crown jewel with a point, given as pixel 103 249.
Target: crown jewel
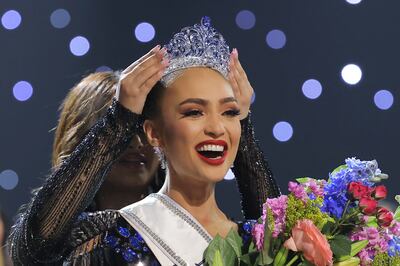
pixel 199 45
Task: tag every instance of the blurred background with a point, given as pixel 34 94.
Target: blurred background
pixel 325 74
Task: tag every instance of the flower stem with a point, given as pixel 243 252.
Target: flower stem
pixel 292 260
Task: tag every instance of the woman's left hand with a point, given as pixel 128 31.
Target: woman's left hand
pixel 241 86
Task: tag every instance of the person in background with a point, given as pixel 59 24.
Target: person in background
pixel 136 173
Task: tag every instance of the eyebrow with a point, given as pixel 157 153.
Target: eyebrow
pixel 205 102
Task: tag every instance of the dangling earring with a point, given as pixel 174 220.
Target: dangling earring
pixel 161 157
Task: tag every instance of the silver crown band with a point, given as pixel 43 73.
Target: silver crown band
pixel 196 46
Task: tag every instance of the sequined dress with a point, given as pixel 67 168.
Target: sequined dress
pixel 55 229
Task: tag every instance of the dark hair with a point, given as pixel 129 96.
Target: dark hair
pixel 152 106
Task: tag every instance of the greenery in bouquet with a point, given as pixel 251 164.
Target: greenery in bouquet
pixel 320 222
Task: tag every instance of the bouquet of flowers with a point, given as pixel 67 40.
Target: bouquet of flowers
pixel 334 222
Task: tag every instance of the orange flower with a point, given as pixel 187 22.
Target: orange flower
pixel 307 238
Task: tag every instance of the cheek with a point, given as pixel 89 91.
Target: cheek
pixel 180 135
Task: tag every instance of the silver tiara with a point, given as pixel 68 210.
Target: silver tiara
pixel 199 45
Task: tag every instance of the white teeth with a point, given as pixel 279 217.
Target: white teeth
pixel 210 147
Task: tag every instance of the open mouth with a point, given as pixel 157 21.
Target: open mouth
pixel 213 151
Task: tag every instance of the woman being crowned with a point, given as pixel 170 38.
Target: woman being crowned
pixel 192 99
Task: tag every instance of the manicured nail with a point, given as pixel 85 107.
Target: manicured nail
pixel 155 48
pixel 235 52
pixel 163 51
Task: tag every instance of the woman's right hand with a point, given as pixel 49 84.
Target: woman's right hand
pixel 138 79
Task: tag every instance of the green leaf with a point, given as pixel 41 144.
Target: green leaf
pixel 372 221
pixel 397 214
pixel 354 261
pixel 302 180
pixel 235 241
pixel 328 227
pixel 281 257
pixel 357 247
pixel 338 169
pixel 265 253
pixel 340 246
pixel 249 258
pixel 212 248
pixel 217 260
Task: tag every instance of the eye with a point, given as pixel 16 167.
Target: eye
pixel 193 113
pixel 232 112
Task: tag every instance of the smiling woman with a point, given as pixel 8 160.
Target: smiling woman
pixel 194 104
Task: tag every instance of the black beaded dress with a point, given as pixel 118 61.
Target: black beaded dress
pixel 57 229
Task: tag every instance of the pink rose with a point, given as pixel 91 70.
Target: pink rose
pixel 307 238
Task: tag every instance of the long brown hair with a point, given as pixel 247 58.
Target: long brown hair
pixel 85 103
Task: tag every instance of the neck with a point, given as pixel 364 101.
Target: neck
pixel 198 198
pixel 109 197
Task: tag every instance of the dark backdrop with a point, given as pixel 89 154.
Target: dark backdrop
pixel 322 37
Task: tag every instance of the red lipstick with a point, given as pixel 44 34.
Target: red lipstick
pixel 213 161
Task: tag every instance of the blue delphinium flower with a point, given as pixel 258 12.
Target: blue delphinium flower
pixel 335 190
pixel 394 246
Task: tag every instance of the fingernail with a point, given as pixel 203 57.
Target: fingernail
pixel 156 48
pixel 236 52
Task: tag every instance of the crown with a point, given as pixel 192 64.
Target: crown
pixel 199 45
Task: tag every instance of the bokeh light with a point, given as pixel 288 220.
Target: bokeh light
pixel 22 90
pixel 276 39
pixel 144 32
pixel 245 19
pixel 79 46
pixel 351 74
pixel 8 179
pixel 383 99
pixel 60 18
pixel 11 19
pixel 312 89
pixel 353 2
pixel 229 175
pixel 103 69
pixel 282 131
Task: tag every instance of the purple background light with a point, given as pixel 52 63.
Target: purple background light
pixel 312 89
pixel 60 18
pixel 144 32
pixel 383 99
pixel 11 19
pixel 8 179
pixel 276 39
pixel 103 69
pixel 245 19
pixel 79 46
pixel 22 90
pixel 282 131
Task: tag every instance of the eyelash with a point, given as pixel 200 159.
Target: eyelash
pixel 196 113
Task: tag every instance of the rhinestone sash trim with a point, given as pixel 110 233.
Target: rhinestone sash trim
pixel 177 210
pixel 162 244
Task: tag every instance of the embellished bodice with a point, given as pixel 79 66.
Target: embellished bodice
pixel 126 246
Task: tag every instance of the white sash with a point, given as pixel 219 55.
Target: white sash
pixel 171 232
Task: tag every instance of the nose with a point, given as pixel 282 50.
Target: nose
pixel 214 127
pixel 136 143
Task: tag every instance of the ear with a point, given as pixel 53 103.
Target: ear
pixel 152 133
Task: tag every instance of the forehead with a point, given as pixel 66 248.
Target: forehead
pixel 202 83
